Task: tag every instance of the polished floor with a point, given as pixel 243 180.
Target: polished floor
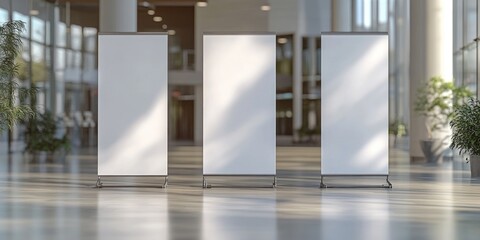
pixel 58 201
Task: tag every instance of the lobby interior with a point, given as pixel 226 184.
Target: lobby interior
pixel 55 197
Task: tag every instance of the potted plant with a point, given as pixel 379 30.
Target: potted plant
pixel 436 101
pixel 396 130
pixel 466 133
pixel 42 139
pixel 13 106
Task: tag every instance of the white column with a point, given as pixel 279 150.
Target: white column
pixel 342 15
pixel 198 115
pixel 431 54
pixel 297 88
pixel 118 15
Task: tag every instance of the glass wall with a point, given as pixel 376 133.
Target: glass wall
pixel 284 67
pixel 311 55
pixel 465 43
pixel 60 61
pixel 390 16
pixel 59 57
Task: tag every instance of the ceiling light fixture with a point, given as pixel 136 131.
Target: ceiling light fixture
pixel 171 32
pixel 145 4
pixel 202 3
pixel 265 7
pixel 34 12
pixel 282 40
pixel 157 19
pixel 151 12
pixel 164 26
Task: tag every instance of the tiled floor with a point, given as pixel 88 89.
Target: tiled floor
pixel 57 201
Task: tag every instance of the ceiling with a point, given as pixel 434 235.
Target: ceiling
pixel 178 15
pixel 79 4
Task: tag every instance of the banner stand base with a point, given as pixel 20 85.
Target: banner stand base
pixel 99 183
pixel 206 185
pixel 388 185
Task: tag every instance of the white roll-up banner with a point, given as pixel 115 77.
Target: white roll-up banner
pixel 132 104
pixel 354 108
pixel 239 104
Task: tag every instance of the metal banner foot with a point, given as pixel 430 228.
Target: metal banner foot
pixel 322 185
pixel 389 184
pixel 204 183
pixel 99 183
pixel 165 184
pixel 275 182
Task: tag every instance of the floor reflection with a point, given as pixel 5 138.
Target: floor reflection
pixel 366 216
pixel 131 214
pixel 57 201
pixel 239 214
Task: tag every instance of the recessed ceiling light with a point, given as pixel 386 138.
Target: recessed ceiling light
pixel 265 7
pixel 171 32
pixel 282 40
pixel 34 12
pixel 164 26
pixel 157 19
pixel 151 12
pixel 202 4
pixel 145 4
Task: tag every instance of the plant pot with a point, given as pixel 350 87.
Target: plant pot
pixel 475 166
pixel 432 150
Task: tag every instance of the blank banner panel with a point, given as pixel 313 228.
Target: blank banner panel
pixel 239 105
pixel 132 104
pixel 354 104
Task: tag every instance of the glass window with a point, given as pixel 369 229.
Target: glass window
pixel 48 33
pixel 77 59
pixel 470 20
pixel 23 61
pixel 38 52
pixel 76 37
pixel 25 50
pixel 23 18
pixel 38 64
pixel 60 58
pixel 38 29
pixel 358 7
pixel 69 58
pixel 306 57
pixel 90 39
pixel 3 15
pixel 48 54
pixel 470 67
pixel 61 34
pixel 285 55
pixel 367 14
pixel 383 12
pixel 89 61
pixel 457 68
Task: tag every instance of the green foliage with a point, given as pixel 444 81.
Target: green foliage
pixel 39 70
pixel 466 128
pixel 437 100
pixel 41 136
pixel 397 128
pixel 13 107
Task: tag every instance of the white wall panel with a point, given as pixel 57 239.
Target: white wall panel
pixel 354 104
pixel 239 105
pixel 132 99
